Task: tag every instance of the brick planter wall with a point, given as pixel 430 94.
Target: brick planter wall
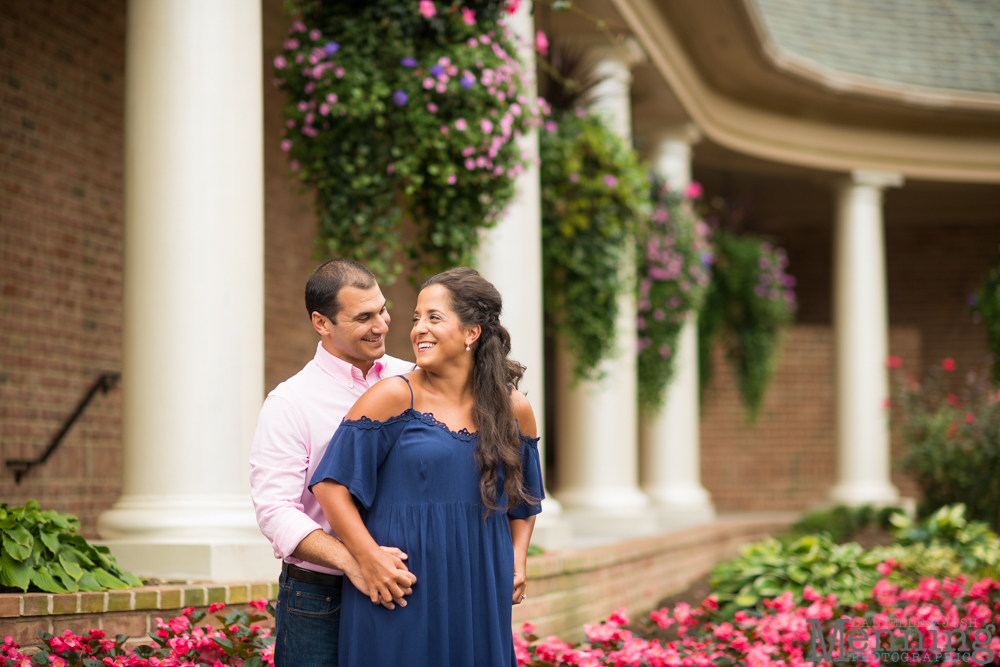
pixel 569 588
pixel 132 612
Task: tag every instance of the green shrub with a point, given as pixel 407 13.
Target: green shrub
pixel 952 432
pixel 842 523
pixel 975 545
pixel 42 550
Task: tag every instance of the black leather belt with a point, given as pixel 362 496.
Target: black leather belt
pixel 312 577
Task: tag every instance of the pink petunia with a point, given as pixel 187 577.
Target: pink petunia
pixel 611 181
pixel 468 16
pixel 486 125
pixel 451 179
pixel 428 83
pixel 444 129
pixel 286 145
pixel 461 125
pixel 432 107
pixel 427 8
pixel 280 62
pixel 694 190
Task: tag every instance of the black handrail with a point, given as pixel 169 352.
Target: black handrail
pixel 104 384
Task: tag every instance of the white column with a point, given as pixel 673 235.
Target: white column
pixel 516 241
pixel 670 444
pixel 861 341
pixel 193 306
pixel 598 434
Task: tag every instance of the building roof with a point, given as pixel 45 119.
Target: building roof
pixel 940 44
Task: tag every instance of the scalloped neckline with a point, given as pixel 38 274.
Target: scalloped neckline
pixel 429 419
pixel 426 417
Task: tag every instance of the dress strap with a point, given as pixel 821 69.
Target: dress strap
pixel 409 386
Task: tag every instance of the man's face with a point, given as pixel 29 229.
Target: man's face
pixel 358 335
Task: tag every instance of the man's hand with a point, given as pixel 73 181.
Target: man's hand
pixel 353 572
pixel 383 577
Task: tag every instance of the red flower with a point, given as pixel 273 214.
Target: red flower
pixel 894 362
pixel 970 417
pixel 948 364
pixel 952 399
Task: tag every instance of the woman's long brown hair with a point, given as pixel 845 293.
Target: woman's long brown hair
pixel 476 301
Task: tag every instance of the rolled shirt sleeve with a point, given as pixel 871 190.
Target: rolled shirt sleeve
pixel 279 470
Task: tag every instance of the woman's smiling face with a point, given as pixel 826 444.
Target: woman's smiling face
pixel 437 334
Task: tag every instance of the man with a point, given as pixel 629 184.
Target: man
pixel 296 423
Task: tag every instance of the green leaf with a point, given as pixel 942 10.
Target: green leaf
pixel 107 580
pixel 14 573
pixel 18 542
pixel 68 582
pixel 72 569
pixel 51 540
pixel 42 578
pixel 89 583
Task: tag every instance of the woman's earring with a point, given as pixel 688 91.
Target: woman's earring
pixel 467 348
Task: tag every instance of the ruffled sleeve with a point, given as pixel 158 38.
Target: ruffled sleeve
pixel 357 450
pixel 531 470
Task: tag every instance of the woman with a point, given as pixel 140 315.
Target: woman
pixel 442 463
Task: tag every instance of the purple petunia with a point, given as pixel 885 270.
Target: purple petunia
pixel 437 70
pixel 408 62
pixel 331 48
pixel 400 98
pixel 467 83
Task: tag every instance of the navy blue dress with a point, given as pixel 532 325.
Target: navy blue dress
pixel 416 485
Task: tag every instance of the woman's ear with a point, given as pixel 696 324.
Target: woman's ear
pixel 472 334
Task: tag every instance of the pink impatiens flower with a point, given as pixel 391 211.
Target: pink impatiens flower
pixel 542 43
pixel 427 8
pixel 694 190
pixel 468 16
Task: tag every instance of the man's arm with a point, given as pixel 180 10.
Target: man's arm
pixel 323 549
pixel 279 463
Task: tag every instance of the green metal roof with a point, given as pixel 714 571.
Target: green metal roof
pixel 942 44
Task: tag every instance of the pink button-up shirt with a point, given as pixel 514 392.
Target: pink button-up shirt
pixel 295 425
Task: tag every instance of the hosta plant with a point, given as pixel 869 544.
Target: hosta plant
pixel 42 550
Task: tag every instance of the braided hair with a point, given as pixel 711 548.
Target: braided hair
pixel 476 301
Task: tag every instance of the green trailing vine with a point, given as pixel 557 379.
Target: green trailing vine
pixel 403 110
pixel 674 271
pixel 750 300
pixel 986 306
pixel 43 551
pixel 594 197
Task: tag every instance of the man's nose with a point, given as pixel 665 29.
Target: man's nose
pixel 381 323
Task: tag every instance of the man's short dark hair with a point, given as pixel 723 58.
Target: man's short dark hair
pixel 328 279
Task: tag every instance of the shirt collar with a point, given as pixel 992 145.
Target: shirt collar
pixel 345 372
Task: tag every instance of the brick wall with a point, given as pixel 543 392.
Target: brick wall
pixel 787 459
pixel 61 106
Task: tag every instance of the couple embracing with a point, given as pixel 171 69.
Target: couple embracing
pixel 404 538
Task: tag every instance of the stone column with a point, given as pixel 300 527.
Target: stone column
pixel 598 420
pixel 193 300
pixel 861 341
pixel 671 468
pixel 510 257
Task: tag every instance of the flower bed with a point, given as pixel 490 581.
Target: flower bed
pixel 910 626
pixel 179 642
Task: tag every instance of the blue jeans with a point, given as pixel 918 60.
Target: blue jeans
pixel 307 621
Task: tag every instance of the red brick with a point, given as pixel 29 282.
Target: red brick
pixel 25 631
pixel 10 605
pixel 131 624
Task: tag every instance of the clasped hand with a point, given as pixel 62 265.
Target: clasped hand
pixel 386 579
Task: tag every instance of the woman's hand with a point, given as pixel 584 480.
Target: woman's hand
pixel 520 584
